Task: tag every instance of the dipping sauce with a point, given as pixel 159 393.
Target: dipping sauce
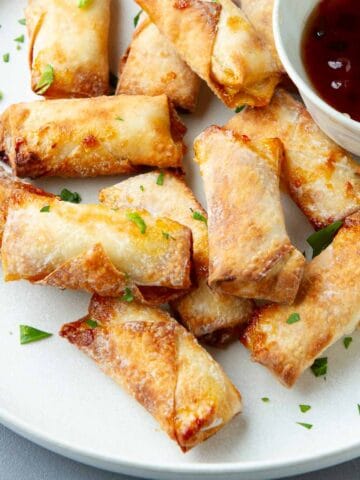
pixel 331 54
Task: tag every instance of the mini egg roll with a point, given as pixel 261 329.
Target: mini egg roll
pixel 161 365
pixel 94 248
pixel 72 41
pixel 327 305
pixel 250 253
pixel 219 44
pixel 92 136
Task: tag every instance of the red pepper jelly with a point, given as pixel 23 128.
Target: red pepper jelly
pixel 331 54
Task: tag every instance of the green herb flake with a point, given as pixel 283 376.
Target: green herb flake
pixel 137 17
pixel 305 425
pixel 45 209
pixel 358 405
pixel 68 196
pixel 142 188
pixel 84 3
pixel 304 408
pixel 6 57
pixel 22 21
pixel 139 222
pixel 20 39
pixel 319 367
pixel 30 334
pixel 347 341
pixel 91 323
pixel 167 236
pixel 1 95
pixel 46 80
pixel 18 47
pixel 198 216
pixel 160 179
pixel 265 399
pixel 128 296
pixel 323 238
pixel 293 318
pixel 120 119
pixel 240 108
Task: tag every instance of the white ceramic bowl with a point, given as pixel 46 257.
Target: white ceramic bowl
pixel 289 20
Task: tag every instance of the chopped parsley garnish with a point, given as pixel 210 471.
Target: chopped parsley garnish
pixel 319 367
pixel 68 196
pixel 139 222
pixel 305 425
pixel 120 119
pixel 92 323
pixel 142 188
pixel 84 3
pixel 20 39
pixel 304 408
pixel 45 209
pixel 265 399
pixel 160 179
pixel 293 318
pixel 323 238
pixel 22 21
pixel 198 216
pixel 347 341
pixel 239 108
pixel 18 47
pixel 167 236
pixel 6 57
pixel 30 334
pixel 358 405
pixel 128 296
pixel 1 95
pixel 46 80
pixel 136 18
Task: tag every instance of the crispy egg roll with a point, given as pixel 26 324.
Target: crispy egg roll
pixel 322 178
pixel 219 43
pixel 73 41
pixel 203 310
pixel 161 365
pixel 94 248
pixel 328 305
pixel 250 252
pixel 152 66
pixel 260 13
pixel 91 137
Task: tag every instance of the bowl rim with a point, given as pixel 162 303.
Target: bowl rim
pixel 302 85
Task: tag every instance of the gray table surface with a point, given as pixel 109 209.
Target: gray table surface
pixel 23 460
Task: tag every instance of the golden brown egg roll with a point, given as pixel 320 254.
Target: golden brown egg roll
pixel 328 306
pixel 322 178
pixel 250 253
pixel 152 66
pixel 260 13
pixel 73 41
pixel 203 310
pixel 94 248
pixel 160 364
pixel 91 137
pixel 218 42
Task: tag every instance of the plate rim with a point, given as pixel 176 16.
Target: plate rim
pixel 280 468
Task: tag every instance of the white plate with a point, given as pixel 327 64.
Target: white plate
pixel 52 394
